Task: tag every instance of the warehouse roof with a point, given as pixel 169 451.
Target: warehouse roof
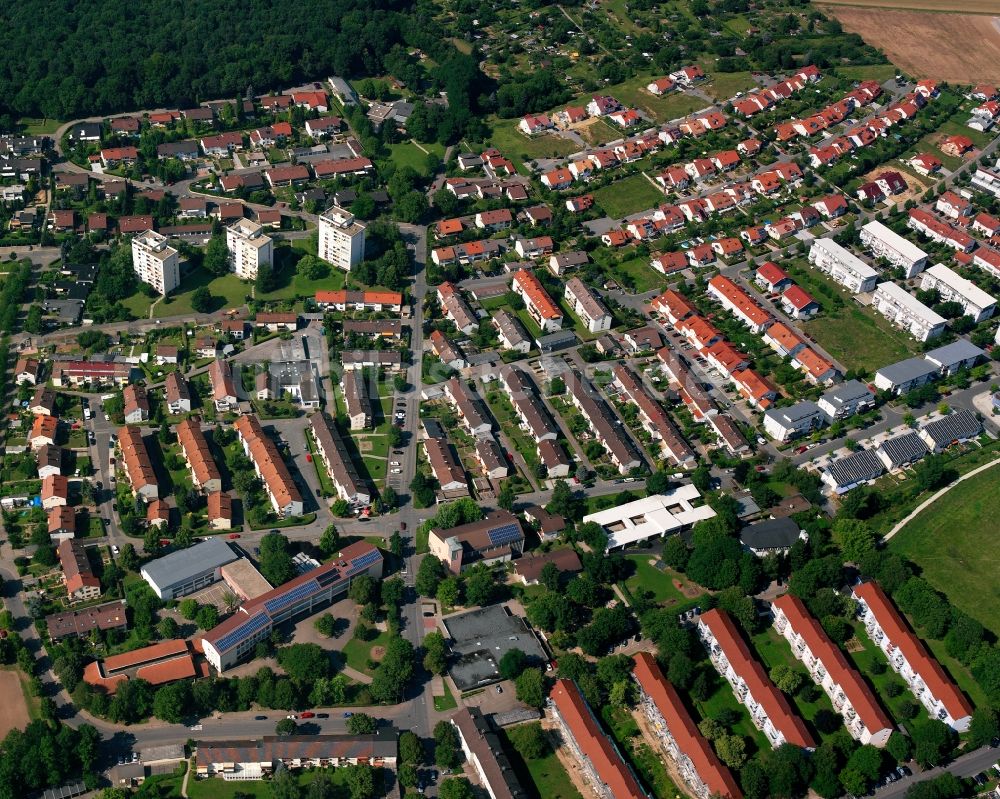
pixel 186 563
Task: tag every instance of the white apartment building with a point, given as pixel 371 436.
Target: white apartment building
pixel 678 736
pixel 864 718
pixel 987 180
pixel 155 262
pixel 910 659
pixel 907 312
pixel 954 288
pixel 898 251
pixel 799 419
pixel 587 304
pixel 341 238
pixel 842 265
pixel 249 248
pixel 768 708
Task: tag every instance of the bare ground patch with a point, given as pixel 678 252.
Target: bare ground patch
pixel 15 708
pixel 960 47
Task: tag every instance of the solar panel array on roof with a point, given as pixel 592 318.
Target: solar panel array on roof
pixel 365 561
pixel 248 628
pixel 902 449
pixel 290 598
pixel 856 468
pixel 957 426
pixel 328 578
pixel 505 534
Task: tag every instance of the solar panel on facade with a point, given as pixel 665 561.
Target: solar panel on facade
pixel 245 630
pixel 297 593
pixel 504 534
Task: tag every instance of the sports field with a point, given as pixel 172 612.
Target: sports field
pixel 958 47
pixel 15 708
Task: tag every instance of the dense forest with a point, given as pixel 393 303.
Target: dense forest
pixel 69 58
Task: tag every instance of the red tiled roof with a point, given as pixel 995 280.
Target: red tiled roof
pixel 797 297
pixel 717 778
pixel 854 687
pixel 774 703
pixel 592 741
pixel 772 273
pixel 738 297
pixel 535 292
pixel 913 649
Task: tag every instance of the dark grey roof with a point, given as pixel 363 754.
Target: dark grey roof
pixel 793 413
pixel 770 534
pixel 902 449
pixel 480 639
pixel 956 352
pixel 957 426
pixel 187 563
pixel 856 468
pixel 905 371
pixel 848 391
pixel 433 429
pixel 559 340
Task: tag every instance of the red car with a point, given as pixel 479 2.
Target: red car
pixel 234 535
pixel 307 714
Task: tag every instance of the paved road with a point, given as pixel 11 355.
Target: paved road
pixel 965 766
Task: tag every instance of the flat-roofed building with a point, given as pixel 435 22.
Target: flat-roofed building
pixel 237 637
pixel 907 312
pixel 898 251
pixel 843 266
pixel 850 695
pixel 768 708
pixel 281 490
pixel 155 262
pixel 341 238
pixel 337 459
pixel 205 473
pixel 484 750
pixel 244 580
pixel 677 734
pixel 600 762
pixel 954 288
pixel 910 659
pixel 188 570
pixel 657 515
pixel 497 538
pixel 249 248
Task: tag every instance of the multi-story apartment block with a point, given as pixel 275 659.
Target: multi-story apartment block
pixel 907 312
pixel 270 467
pixel 910 659
pixel 654 418
pixel 341 238
pixel 604 423
pixel 601 764
pixel 842 265
pixel 795 420
pixel 249 248
pixel 954 288
pixel 677 734
pixel 588 305
pixel 541 306
pixel 155 261
pixel 769 709
pixel 884 243
pixel 864 718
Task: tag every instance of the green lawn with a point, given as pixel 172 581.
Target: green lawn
pixel 644 277
pixel 218 788
pixel 519 148
pixel 628 196
pixel 879 72
pixel 723 698
pixel 409 154
pixel 550 778
pixel 138 304
pixel 446 702
pixel 358 652
pixel 649 578
pixel 633 93
pixel 35 127
pixel 229 292
pixel 854 335
pixel 724 85
pixel 649 766
pixel 954 544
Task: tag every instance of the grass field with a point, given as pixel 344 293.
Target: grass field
pixel 550 778
pixel 409 154
pixel 358 652
pixel 445 702
pixel 627 196
pixel 953 543
pixel 724 85
pixel 879 72
pixel 644 277
pixel 35 127
pixel 633 93
pixel 218 788
pixel 229 290
pixel 648 578
pixel 519 148
pixel 966 46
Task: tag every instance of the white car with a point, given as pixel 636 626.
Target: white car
pixel 397 471
pixel 107 418
pixel 394 463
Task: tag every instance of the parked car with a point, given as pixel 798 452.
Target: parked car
pixel 260 718
pixel 307 714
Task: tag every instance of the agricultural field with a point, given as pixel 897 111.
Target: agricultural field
pixel 966 46
pixel 953 544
